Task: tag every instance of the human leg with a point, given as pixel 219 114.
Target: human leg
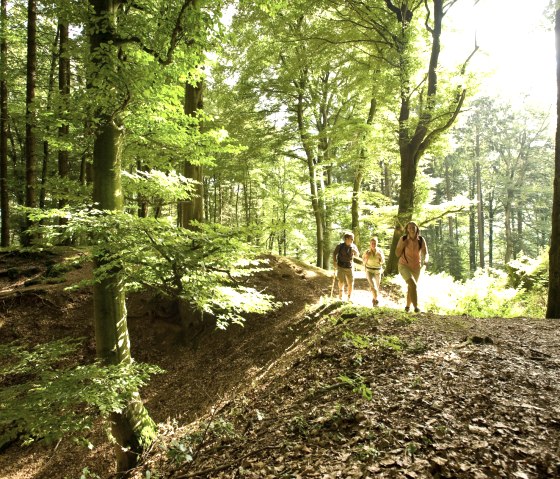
pixel 350 282
pixel 406 274
pixel 341 280
pixel 373 287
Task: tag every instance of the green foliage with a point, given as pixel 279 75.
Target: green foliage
pixel 46 398
pixel 486 294
pixel 205 267
pixel 358 385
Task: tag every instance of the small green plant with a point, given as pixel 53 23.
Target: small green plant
pixel 358 385
pixel 359 341
pixel 87 474
pixel 411 448
pixel 298 425
pixel 390 342
pixel 180 451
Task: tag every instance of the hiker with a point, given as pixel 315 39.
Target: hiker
pixel 412 252
pixel 343 263
pixel 373 264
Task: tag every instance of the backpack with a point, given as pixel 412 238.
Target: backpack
pixel 344 255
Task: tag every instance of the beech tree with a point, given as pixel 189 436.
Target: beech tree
pixel 553 304
pixel 4 195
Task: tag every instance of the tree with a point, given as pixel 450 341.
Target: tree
pixel 435 115
pixel 553 303
pixel 30 115
pixel 4 196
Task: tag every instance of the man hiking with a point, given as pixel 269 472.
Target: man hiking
pixel 343 256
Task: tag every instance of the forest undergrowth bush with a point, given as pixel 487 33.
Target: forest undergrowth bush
pixel 519 291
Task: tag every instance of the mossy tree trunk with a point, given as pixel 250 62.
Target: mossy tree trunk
pixel 133 429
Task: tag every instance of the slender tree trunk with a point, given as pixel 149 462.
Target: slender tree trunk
pixel 30 117
pixel 64 91
pixel 359 176
pixel 449 196
pixel 4 193
pixel 507 224
pixel 312 176
pixel 46 146
pixel 480 216
pixel 472 229
pixel 356 189
pixel 553 304
pixel 491 230
pixel 132 428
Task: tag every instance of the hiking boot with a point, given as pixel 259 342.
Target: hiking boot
pixel 407 308
pixel 416 310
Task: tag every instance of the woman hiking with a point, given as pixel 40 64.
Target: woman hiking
pixel 373 260
pixel 412 252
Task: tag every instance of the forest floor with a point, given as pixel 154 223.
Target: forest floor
pixel 317 389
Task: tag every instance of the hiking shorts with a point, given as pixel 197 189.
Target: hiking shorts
pixel 345 275
pixel 373 277
pixel 407 273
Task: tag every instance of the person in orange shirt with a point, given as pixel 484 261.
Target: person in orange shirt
pixel 412 252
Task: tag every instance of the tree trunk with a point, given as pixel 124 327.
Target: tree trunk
pixel 132 428
pixel 553 304
pixel 193 208
pixel 4 194
pixel 64 91
pixel 30 116
pixel 507 224
pixel 356 189
pixel 480 215
pixel 491 230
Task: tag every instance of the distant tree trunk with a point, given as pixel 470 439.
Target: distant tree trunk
pixel 355 208
pixel 46 146
pixel 132 428
pixel 553 303
pixel 472 229
pixel 64 91
pixel 519 239
pixel 312 177
pixel 507 224
pixel 359 176
pixel 30 117
pixel 4 193
pixel 193 208
pixel 449 197
pixel 480 215
pixel 491 230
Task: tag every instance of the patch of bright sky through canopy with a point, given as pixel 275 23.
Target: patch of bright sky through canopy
pixel 516 48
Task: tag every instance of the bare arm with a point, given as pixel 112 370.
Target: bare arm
pixel 424 252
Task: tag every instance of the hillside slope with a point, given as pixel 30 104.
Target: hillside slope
pixel 316 389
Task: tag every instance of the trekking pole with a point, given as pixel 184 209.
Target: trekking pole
pixel 333 281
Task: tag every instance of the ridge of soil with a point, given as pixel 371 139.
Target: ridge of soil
pixel 318 388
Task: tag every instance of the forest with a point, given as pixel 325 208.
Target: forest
pixel 198 160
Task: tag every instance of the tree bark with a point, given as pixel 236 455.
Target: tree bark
pixel 193 208
pixel 4 193
pixel 553 303
pixel 480 212
pixel 133 429
pixel 64 92
pixel 30 117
